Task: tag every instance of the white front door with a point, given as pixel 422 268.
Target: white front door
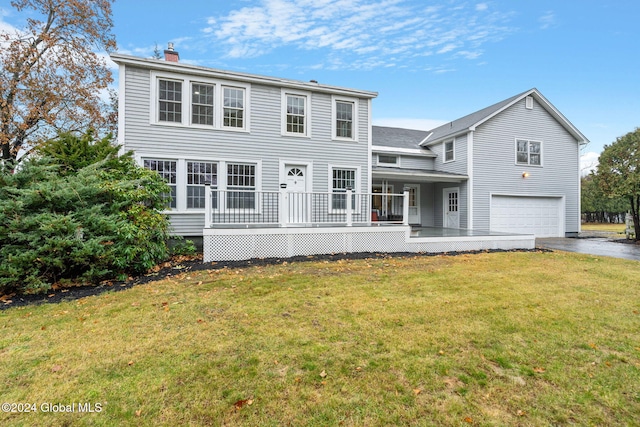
pixel 451 212
pixel 414 203
pixel 296 187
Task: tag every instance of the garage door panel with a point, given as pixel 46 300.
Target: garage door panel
pixel 540 216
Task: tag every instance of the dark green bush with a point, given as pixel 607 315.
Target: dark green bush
pixel 96 222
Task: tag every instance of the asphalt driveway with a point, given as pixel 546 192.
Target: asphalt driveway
pixel 593 246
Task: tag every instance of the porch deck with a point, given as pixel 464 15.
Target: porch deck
pixel 245 225
pixel 236 244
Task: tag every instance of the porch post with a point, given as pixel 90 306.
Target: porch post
pixel 283 203
pixel 207 206
pixel 349 207
pixel 405 207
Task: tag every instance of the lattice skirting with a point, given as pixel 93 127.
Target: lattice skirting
pixel 243 244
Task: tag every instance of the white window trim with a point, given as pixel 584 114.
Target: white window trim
pixel 215 107
pixel 444 151
pixel 528 164
pixel 307 113
pixel 246 108
pixel 355 103
pixel 396 164
pixel 357 189
pixel 181 178
pixel 218 100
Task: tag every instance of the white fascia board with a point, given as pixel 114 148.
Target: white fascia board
pixel 233 75
pixel 448 137
pixel 413 151
pixel 432 177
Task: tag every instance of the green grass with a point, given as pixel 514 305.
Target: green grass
pixel 613 228
pixel 488 339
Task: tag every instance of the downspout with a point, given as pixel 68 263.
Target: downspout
pixel 470 180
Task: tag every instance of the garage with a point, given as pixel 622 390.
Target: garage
pixel 541 216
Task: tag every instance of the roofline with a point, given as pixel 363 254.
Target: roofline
pixel 445 138
pixel 387 149
pixel 155 64
pixel 433 175
pixel 547 105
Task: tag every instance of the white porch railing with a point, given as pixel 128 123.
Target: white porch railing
pixel 237 208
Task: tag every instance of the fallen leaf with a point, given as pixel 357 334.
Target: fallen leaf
pixel 323 374
pixel 468 420
pixel 56 368
pixel 138 412
pixel 417 391
pixel 130 363
pixel 538 370
pixel 240 403
pixel 200 321
pixel 593 346
pixel 521 413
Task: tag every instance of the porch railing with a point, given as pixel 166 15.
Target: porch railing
pixel 283 208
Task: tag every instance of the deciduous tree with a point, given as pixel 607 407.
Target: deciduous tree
pixel 619 172
pixel 52 71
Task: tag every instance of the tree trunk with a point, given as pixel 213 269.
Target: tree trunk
pixel 635 206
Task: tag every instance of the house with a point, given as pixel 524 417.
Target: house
pixel 268 167
pixel 511 167
pixel 240 133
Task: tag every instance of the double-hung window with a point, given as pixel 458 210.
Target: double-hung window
pixel 169 101
pixel 528 152
pixel 202 104
pixel 241 186
pixel 449 154
pixel 167 169
pixel 198 175
pixel 342 179
pixel 344 119
pixel 296 114
pixel 233 108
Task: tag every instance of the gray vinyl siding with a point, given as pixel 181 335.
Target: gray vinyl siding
pixel 416 162
pixel 459 165
pixel 406 161
pixel 264 144
pixel 495 170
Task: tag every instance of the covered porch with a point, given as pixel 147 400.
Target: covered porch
pixel 436 199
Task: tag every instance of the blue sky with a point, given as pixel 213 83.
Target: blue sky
pixel 430 61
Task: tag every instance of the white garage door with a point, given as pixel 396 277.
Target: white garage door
pixel 541 216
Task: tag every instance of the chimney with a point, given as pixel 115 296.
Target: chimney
pixel 170 54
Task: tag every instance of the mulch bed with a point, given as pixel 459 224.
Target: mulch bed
pixel 179 265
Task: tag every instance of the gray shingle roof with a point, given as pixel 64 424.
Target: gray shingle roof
pixel 399 138
pixel 464 123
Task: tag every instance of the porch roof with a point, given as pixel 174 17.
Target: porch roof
pixel 420 175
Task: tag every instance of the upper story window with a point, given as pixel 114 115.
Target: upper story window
pixel 344 119
pixel 169 101
pixel 296 114
pixel 345 123
pixel 449 154
pixel 528 152
pixel 202 104
pixel 233 107
pixel 387 160
pixel 199 102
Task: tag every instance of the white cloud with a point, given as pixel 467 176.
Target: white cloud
pixel 588 162
pixel 370 32
pixel 547 20
pixel 419 124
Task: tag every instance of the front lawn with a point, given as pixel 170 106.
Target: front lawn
pixel 612 228
pixel 525 338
